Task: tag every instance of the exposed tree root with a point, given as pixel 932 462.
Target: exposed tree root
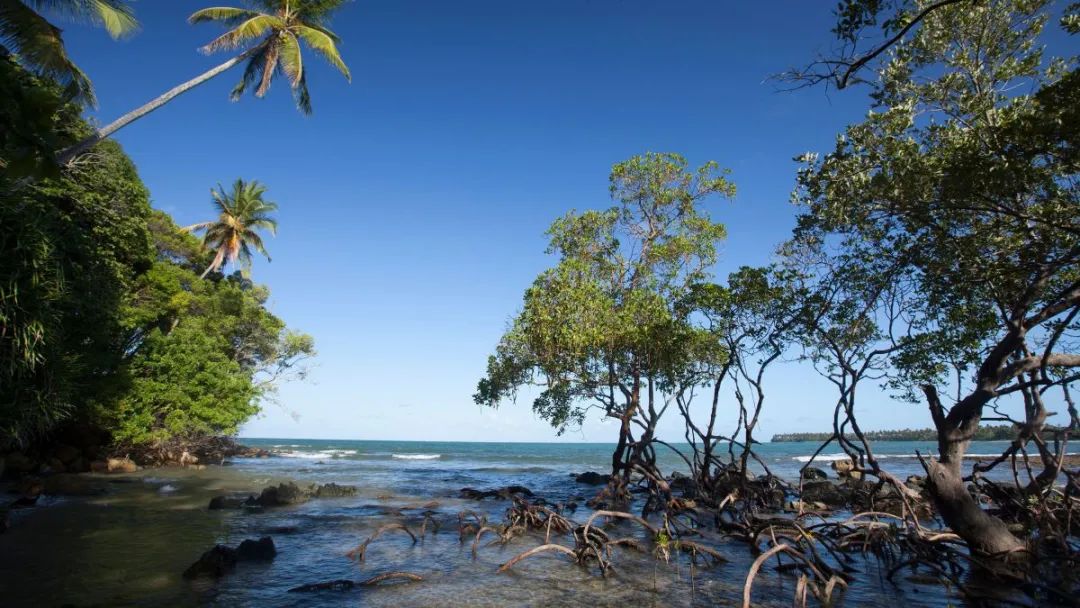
pixel 346 584
pixel 359 552
pixel 537 551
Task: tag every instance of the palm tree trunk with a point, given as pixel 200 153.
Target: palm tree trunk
pixel 67 155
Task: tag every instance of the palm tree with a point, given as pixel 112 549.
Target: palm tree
pixel 270 33
pixel 234 233
pixel 39 45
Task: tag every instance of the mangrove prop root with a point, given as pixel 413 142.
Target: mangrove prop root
pixel 359 552
pixel 345 584
pixel 537 551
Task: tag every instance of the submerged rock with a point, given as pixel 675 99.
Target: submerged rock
pixel 215 563
pixel 593 478
pixel 503 493
pixel 218 503
pixel 333 490
pixel 222 559
pixel 257 550
pixel 283 494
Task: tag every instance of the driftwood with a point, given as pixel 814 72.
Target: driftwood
pixel 359 552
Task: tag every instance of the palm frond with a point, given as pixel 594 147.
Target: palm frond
pixel 252 70
pixel 302 96
pixel 40 47
pixel 292 63
pixel 323 43
pixel 272 54
pixel 222 14
pixel 248 30
pixel 116 16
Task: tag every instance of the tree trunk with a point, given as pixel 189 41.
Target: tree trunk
pixel 69 154
pixel 983 533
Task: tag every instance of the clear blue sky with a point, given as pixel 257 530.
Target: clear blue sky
pixel 414 201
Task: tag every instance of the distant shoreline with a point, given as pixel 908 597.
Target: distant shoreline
pixel 985 433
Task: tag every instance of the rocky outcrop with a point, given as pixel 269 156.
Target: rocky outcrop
pixel 592 478
pixel 506 493
pixel 814 473
pixel 261 550
pixel 825 492
pixel 121 465
pixel 283 494
pixel 222 559
pixel 846 469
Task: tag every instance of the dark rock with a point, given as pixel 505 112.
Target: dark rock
pixel 916 482
pixel 99 466
pixel 17 462
pixel 592 478
pixel 814 473
pixel 284 529
pixel 333 490
pixel 66 453
pixel 283 494
pixel 215 563
pixel 257 550
pixel 824 492
pixel 218 503
pixel 504 493
pixel 682 483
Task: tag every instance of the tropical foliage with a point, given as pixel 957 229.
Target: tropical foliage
pixel 39 45
pixel 603 328
pixel 272 31
pixel 234 234
pixel 105 322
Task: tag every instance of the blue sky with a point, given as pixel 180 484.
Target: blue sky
pixel 413 203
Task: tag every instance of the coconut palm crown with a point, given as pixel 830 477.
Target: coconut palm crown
pixel 272 30
pixel 39 46
pixel 234 234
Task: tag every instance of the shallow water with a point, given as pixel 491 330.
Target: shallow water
pixel 128 546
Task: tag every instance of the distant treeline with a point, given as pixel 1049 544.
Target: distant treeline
pixel 984 433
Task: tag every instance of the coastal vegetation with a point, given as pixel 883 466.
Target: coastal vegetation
pixel 935 257
pixel 271 33
pixel 935 254
pixel 119 332
pixel 983 433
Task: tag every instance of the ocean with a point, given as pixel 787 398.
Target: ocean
pixel 128 545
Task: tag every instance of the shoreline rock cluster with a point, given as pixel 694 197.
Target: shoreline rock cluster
pixel 281 495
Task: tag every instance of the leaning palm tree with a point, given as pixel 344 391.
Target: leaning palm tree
pixel 39 46
pixel 270 32
pixel 233 235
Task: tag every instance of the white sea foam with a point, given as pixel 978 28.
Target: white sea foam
pixel 296 454
pixel 416 456
pixel 824 457
pixel 338 452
